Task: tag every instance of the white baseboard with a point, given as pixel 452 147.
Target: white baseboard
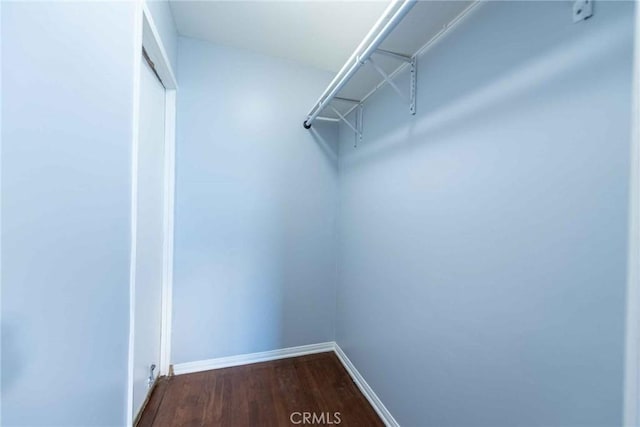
pixel 366 390
pixel 265 356
pixel 246 359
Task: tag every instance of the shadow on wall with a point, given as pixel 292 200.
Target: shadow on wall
pixel 486 96
pixel 321 134
pixel 307 263
pixel 14 354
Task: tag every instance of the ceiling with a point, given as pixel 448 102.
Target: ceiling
pixel 322 34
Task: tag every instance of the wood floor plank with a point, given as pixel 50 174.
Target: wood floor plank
pixel 262 394
pixel 152 406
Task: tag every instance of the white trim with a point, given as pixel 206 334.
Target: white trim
pixel 366 390
pixel 632 339
pixel 1 201
pixel 161 59
pixel 169 195
pixel 135 128
pixel 155 48
pixel 246 359
pixel 146 33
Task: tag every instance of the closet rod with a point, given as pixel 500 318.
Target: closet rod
pixel 383 27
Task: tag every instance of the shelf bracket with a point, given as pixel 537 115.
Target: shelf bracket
pixel 412 85
pixel 327 119
pixel 582 10
pixel 411 99
pixel 357 128
pixel 393 55
pixel 359 124
pixel 353 101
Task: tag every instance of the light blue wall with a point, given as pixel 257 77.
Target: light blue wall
pixel 483 241
pixel 66 155
pixel 163 19
pixel 255 265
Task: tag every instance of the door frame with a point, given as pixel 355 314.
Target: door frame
pixel 631 413
pixel 146 34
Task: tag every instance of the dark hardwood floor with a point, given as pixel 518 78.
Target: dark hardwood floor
pixel 276 393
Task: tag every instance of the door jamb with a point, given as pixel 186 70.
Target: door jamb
pixel 146 33
pixel 631 412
